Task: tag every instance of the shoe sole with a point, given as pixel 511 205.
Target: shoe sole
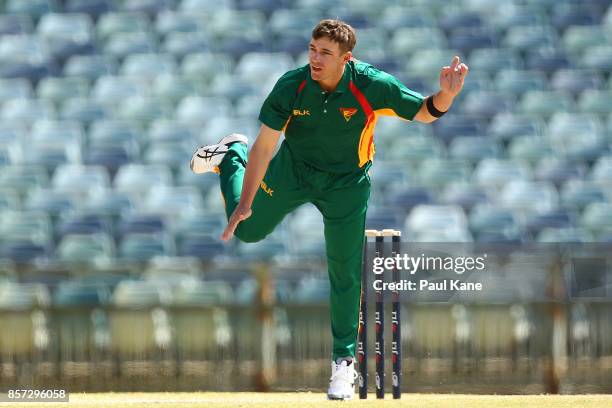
pixel 338 398
pixel 234 137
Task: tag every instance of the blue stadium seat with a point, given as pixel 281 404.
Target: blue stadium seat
pixel 598 58
pixel 407 40
pixel 200 245
pixel 468 39
pixel 18 88
pixel 83 222
pixel 170 131
pixel 466 195
pixel 181 44
pixel 67 34
pixel 90 66
pixel 524 38
pixel 254 66
pixel 109 88
pixel 455 18
pixel 15 24
pixel 52 154
pixel 489 223
pixel 575 81
pixel 455 125
pixel 23 178
pixel 528 197
pixel 558 170
pixel 516 82
pixel 597 219
pixel 26 56
pixel 381 217
pixel 27 111
pixel 120 44
pixel 58 89
pixel 436 173
pixel 567 15
pixel 205 66
pixel 530 149
pixel 150 7
pixel 94 8
pixel 121 23
pixel 577 194
pixel 601 172
pixel 558 218
pixel 135 223
pixel 403 200
pixel 197 110
pixel 79 294
pixel 538 103
pixel 506 126
pixel 205 5
pixel 80 179
pixel 52 202
pixel 202 223
pixel 34 227
pixel 570 235
pixel 110 203
pixel 50 131
pixel 203 182
pixel 495 173
pixel 595 101
pixel 22 251
pixel 396 18
pixel 142 109
pixel 141 247
pixel 111 157
pixel 33 8
pixel 473 149
pixel 84 110
pixel 577 38
pixel 548 60
pixel 172 88
pixel 9 200
pixel 486 104
pixel 509 15
pixel 492 60
pixel 169 21
pixel 173 201
pixel 437 223
pixel 138 178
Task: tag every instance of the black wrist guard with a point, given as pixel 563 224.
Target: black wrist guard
pixel 432 109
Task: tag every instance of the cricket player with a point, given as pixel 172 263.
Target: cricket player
pixel 327 110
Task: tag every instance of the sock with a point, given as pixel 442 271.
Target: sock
pixel 349 360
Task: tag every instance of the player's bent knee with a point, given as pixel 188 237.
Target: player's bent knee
pixel 249 237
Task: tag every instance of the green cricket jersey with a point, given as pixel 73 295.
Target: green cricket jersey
pixel 335 131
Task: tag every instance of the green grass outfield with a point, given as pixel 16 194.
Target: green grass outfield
pixel 298 400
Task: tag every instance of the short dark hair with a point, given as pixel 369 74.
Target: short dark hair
pixel 337 31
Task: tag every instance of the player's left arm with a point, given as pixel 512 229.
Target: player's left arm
pixel 451 83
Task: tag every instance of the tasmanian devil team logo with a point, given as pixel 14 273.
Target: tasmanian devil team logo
pixel 348 113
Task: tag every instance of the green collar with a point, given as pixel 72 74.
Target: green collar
pixel 343 85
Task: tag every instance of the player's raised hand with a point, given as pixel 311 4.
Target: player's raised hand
pixel 452 77
pixel 240 214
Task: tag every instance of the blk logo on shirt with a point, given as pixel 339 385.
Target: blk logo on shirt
pixel 348 113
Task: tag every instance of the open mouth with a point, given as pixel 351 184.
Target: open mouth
pixel 316 69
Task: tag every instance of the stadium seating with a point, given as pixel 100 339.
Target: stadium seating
pixel 103 102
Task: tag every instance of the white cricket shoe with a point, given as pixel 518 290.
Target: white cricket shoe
pixel 342 381
pixel 207 158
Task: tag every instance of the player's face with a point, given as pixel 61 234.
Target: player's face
pixel 326 59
